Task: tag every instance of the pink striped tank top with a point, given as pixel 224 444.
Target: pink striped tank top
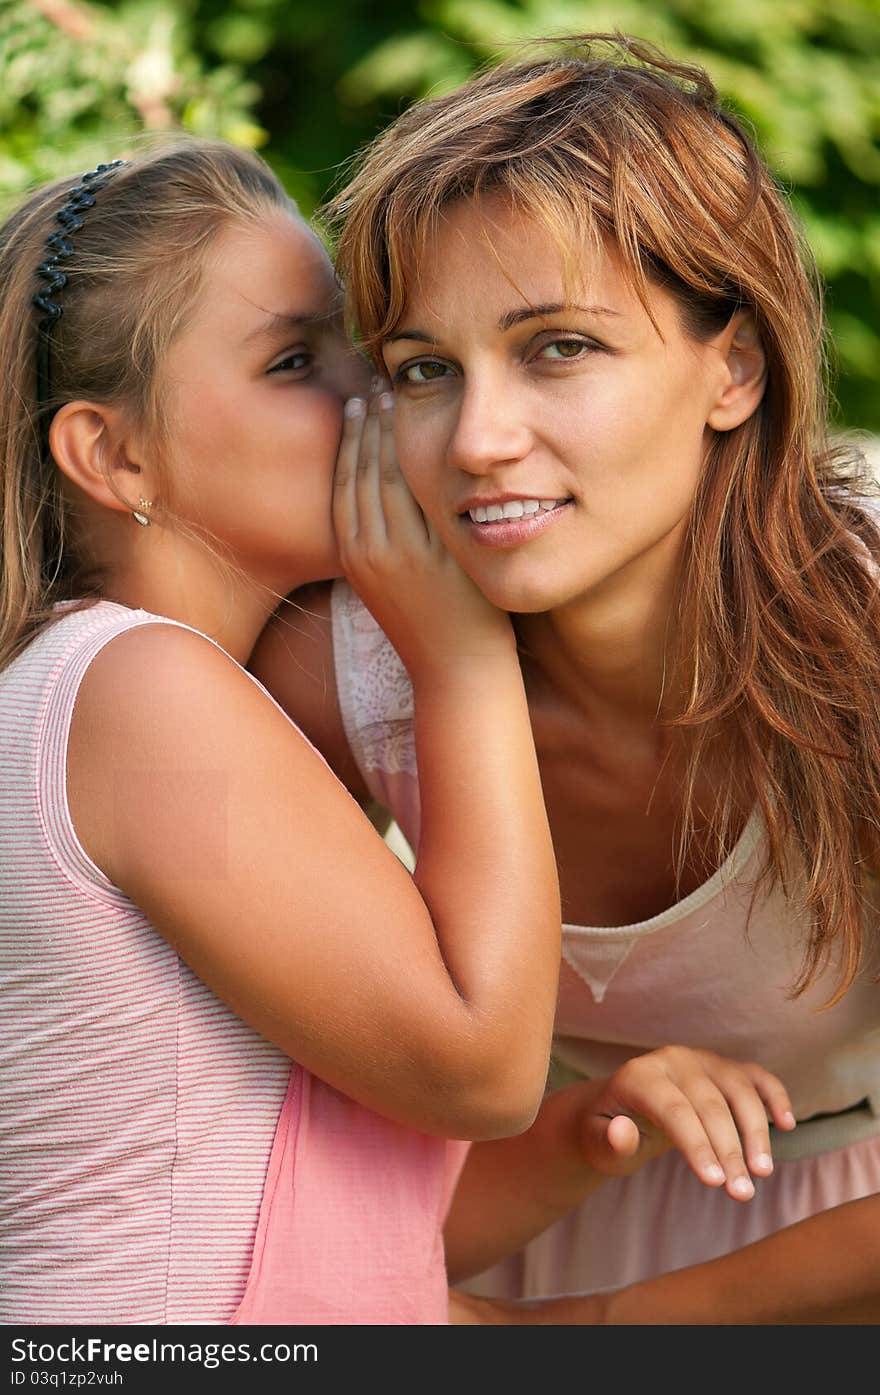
pixel 160 1162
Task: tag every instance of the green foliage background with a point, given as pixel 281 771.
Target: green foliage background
pixel 310 82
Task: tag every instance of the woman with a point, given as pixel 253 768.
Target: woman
pixel 605 343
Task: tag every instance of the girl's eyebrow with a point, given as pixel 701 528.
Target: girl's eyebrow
pixel 511 318
pixel 284 322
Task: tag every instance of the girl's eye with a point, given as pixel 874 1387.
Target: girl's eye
pixel 294 362
pixel 565 349
pixel 425 370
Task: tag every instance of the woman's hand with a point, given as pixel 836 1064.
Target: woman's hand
pixel 714 1110
pixel 433 614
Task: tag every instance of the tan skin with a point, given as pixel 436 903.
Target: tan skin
pixel 495 400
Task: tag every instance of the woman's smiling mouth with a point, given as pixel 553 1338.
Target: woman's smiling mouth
pixel 507 522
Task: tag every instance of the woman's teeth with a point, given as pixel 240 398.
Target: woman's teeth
pixel 513 508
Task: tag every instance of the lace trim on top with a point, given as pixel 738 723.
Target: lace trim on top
pixel 375 694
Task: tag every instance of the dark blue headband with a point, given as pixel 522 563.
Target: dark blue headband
pixel 59 246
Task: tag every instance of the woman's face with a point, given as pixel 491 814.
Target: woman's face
pixel 562 407
pixel 256 383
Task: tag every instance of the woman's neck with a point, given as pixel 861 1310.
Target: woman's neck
pixel 605 656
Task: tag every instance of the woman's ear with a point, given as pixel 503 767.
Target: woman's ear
pixel 746 376
pixel 90 446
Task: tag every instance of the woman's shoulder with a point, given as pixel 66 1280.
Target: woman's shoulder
pixel 373 683
pixel 295 659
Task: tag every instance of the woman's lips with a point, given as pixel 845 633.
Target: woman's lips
pixel 509 532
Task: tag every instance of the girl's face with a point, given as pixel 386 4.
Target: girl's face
pixel 256 383
pixel 562 408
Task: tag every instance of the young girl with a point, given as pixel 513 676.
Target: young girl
pixel 606 353
pixel 236 1032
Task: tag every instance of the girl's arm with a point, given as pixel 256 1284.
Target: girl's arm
pixel 823 1270
pixel 428 998
pixel 712 1109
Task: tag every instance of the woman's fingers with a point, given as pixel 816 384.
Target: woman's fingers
pixel 623 1136
pixel 714 1111
pixel 701 1123
pixel 774 1094
pixel 724 1160
pixel 696 1121
pixel 733 1101
pixel 752 1095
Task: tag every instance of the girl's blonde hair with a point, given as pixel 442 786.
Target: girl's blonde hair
pixel 777 628
pixel 133 278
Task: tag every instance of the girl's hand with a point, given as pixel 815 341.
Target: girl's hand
pixel 432 613
pixel 714 1110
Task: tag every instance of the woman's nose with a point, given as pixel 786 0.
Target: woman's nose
pixel 489 431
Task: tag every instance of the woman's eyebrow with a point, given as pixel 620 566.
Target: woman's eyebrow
pixel 511 318
pixel 542 312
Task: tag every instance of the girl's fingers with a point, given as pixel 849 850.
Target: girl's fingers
pixel 344 500
pixel 402 514
pixel 371 517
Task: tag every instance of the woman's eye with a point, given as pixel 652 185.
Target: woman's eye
pixel 294 362
pixel 426 370
pixel 565 348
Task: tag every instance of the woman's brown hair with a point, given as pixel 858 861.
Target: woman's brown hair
pixel 777 632
pixel 133 276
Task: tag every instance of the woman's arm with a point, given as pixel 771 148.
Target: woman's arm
pixel 713 1110
pixel 823 1270
pixel 428 998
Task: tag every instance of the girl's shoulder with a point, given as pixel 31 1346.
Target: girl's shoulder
pixel 162 670
pixel 55 659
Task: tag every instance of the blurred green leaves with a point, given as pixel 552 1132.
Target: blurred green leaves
pixel 312 82
pixel 77 82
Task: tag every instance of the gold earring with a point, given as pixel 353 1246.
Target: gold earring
pixel 141 513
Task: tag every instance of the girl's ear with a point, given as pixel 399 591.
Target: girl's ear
pixel 746 376
pixel 89 446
